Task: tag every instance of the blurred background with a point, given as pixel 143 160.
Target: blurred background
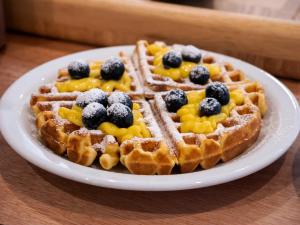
pixel 265 33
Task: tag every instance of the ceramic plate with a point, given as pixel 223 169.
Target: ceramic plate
pixel 280 128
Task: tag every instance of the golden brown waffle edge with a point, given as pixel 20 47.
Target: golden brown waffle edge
pixel 139 155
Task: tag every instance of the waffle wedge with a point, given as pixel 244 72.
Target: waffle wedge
pixel 153 81
pixel 51 92
pixel 231 136
pixel 78 144
pixel 139 155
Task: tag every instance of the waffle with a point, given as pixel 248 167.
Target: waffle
pixel 152 82
pixel 168 143
pixel 139 155
pixel 50 92
pixel 231 137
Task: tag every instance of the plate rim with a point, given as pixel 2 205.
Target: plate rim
pixel 137 185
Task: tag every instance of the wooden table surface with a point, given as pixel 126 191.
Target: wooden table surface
pixel 29 195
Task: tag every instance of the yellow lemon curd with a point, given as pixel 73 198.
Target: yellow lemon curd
pixel 137 129
pixel 176 73
pixel 93 81
pixel 189 113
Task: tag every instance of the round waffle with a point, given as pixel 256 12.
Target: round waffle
pixel 167 145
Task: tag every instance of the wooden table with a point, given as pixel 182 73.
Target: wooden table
pixel 29 195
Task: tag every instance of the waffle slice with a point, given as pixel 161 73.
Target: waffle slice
pixel 148 155
pixel 80 145
pixel 154 82
pixel 51 93
pixel 139 155
pixel 232 136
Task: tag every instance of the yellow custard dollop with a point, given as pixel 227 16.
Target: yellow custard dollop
pixel 181 72
pixel 137 129
pixel 189 113
pixel 93 81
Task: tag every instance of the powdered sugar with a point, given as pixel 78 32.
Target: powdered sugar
pixel 209 106
pixel 119 97
pixel 190 50
pixel 173 96
pixel 175 99
pixel 93 95
pixel 172 59
pixel 91 109
pixel 110 62
pixel 114 65
pixel 107 140
pixel 118 109
pixel 77 65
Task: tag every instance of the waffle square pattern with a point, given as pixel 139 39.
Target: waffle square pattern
pixel 148 138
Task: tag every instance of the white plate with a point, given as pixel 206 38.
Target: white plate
pixel 280 128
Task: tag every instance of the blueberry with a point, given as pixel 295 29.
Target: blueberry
pixel 120 115
pixel 93 115
pixel 199 75
pixel 191 54
pixel 172 59
pixel 209 106
pixel 93 95
pixel 78 69
pixel 119 97
pixel 218 91
pixel 175 99
pixel 112 69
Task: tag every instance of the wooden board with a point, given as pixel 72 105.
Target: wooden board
pixel 271 44
pixel 29 195
pixel 283 9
